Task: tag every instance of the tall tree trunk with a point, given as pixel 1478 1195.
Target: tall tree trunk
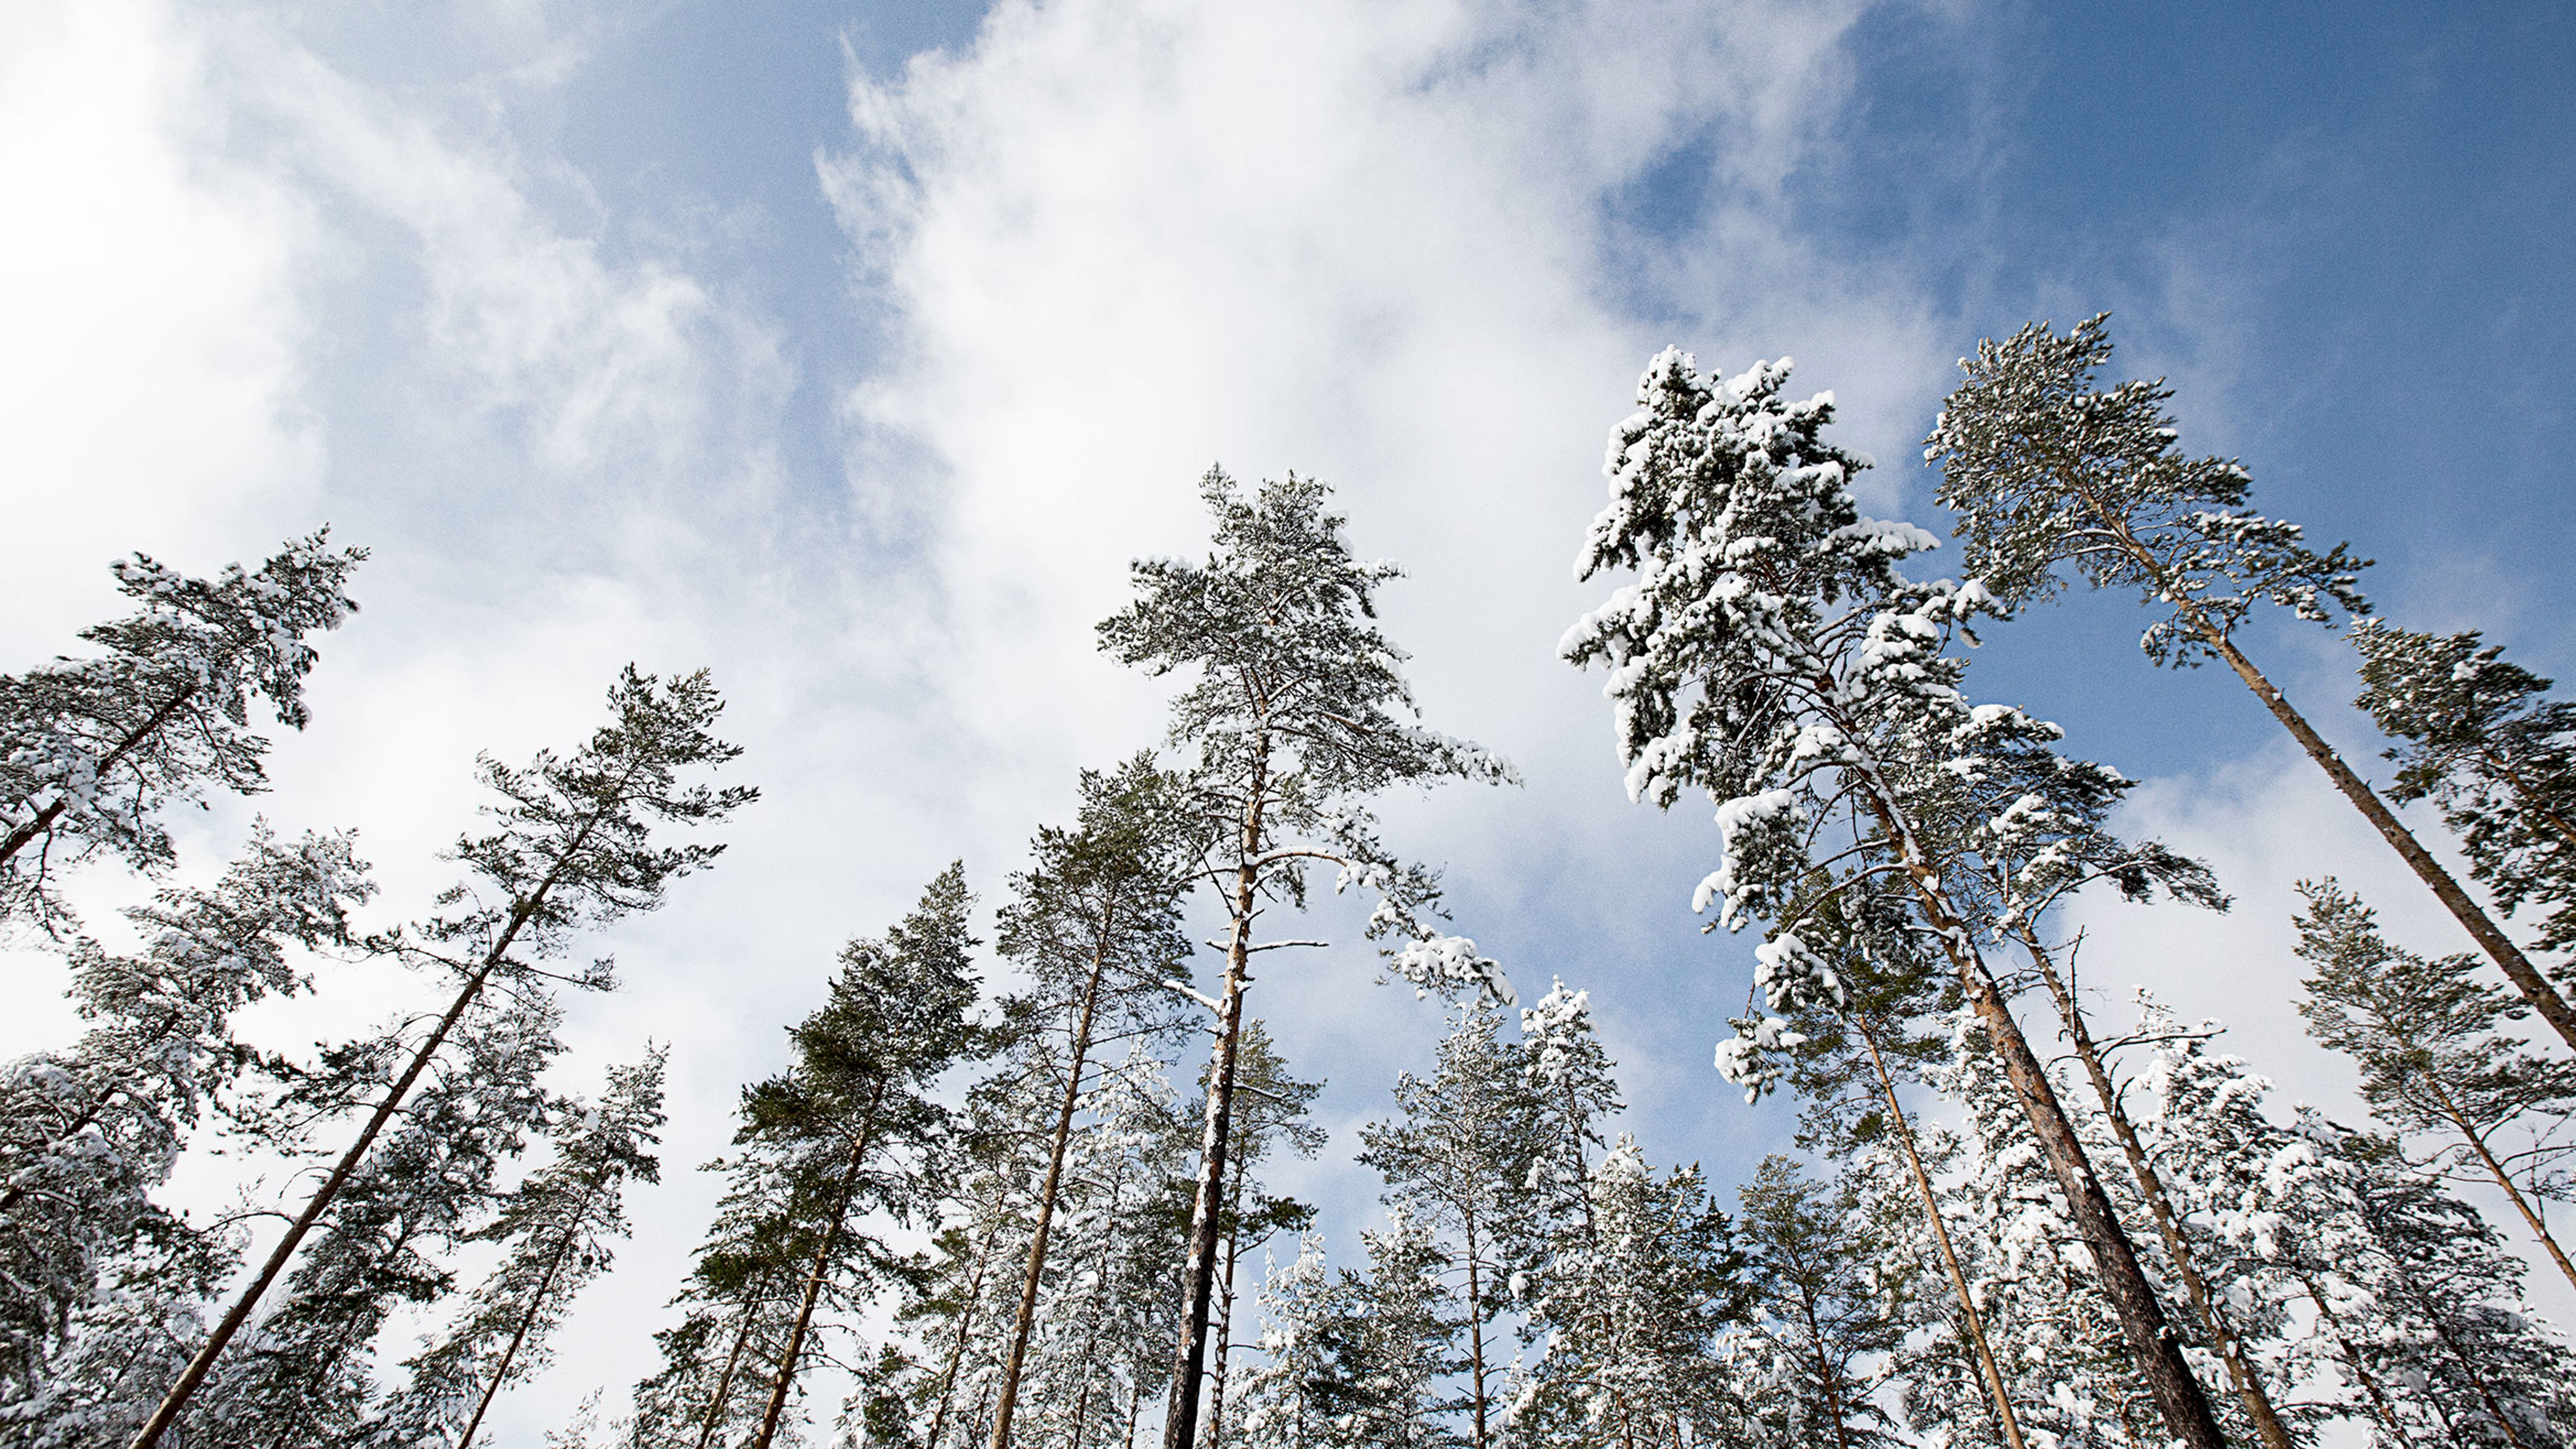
pixel 2503 1179
pixel 965 1329
pixel 44 819
pixel 1021 1327
pixel 1987 1368
pixel 1198 1274
pixel 2526 978
pixel 817 1276
pixel 2361 1369
pixel 2477 1381
pixel 724 1381
pixel 2151 1187
pixel 1826 1376
pixel 1475 1334
pixel 527 1321
pixel 2178 1395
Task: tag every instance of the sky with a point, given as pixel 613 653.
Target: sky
pixel 855 349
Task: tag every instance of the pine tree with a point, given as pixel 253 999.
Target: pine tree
pixel 1097 926
pixel 87 1134
pixel 852 1119
pixel 556 1226
pixel 130 1337
pixel 2483 743
pixel 1272 1114
pixel 1770 653
pixel 1294 721
pixel 2428 1311
pixel 1387 1356
pixel 304 1374
pixel 1628 1316
pixel 2424 1034
pixel 738 1300
pixel 2045 469
pixel 1286 1393
pixel 91 751
pixel 1830 1326
pixel 574 847
pixel 1458 1163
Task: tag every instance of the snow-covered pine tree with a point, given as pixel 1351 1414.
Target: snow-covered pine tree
pixel 1628 1311
pixel 1272 1114
pixel 960 1308
pixel 1568 1079
pixel 556 1226
pixel 304 1374
pixel 574 847
pixel 1296 718
pixel 1832 1329
pixel 128 1339
pixel 2429 1311
pixel 1769 652
pixel 1389 1353
pixel 2043 468
pixel 738 1301
pixel 853 1113
pixel 2483 742
pixel 1458 1164
pixel 91 750
pixel 1096 924
pixel 1287 1393
pixel 2433 1062
pixel 87 1133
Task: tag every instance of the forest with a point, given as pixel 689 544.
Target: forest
pixel 1017 1180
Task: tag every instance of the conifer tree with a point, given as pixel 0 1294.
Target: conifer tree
pixel 737 1302
pixel 2045 469
pixel 1458 1163
pixel 1288 1392
pixel 556 1226
pixel 1831 1327
pixel 86 1134
pixel 1097 926
pixel 1295 717
pixel 2483 742
pixel 852 1119
pixel 2430 1313
pixel 1770 653
pixel 574 847
pixel 1272 1114
pixel 1629 1313
pixel 304 1374
pixel 1387 1357
pixel 2433 1062
pixel 92 750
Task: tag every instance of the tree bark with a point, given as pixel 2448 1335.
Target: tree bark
pixel 2179 1397
pixel 1198 1275
pixel 1987 1368
pixel 1080 1048
pixel 724 1381
pixel 2213 1320
pixel 536 1304
pixel 1475 1332
pixel 1215 1436
pixel 816 1276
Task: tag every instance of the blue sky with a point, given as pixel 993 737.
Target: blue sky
pixel 853 349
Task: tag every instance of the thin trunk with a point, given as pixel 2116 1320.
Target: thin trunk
pixel 167 1411
pixel 816 1276
pixel 1826 1377
pixel 1135 1411
pixel 2005 1419
pixel 2526 978
pixel 2151 1187
pixel 2495 1169
pixel 44 819
pixel 1198 1275
pixel 2168 1376
pixel 1022 1326
pixel 2360 1368
pixel 1225 1309
pixel 724 1381
pixel 527 1321
pixel 1475 1333
pixel 2495 1410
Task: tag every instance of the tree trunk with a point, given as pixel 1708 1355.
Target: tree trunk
pixel 2179 1398
pixel 1215 1436
pixel 527 1321
pixel 2352 1355
pixel 2151 1187
pixel 1021 1326
pixel 2486 1396
pixel 1826 1376
pixel 965 1328
pixel 2005 1419
pixel 1198 1275
pixel 2495 1169
pixel 1475 1334
pixel 724 1381
pixel 815 1278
